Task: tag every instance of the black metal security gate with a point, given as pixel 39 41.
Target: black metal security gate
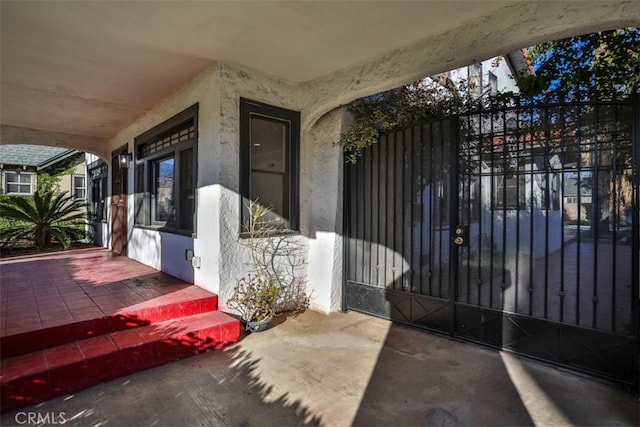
pixel 517 228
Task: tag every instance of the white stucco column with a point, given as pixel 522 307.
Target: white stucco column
pixel 324 227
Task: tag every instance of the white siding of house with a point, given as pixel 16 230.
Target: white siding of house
pixel 216 243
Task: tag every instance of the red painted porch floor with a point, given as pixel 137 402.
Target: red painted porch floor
pixel 72 319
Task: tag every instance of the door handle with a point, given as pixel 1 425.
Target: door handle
pixel 458 241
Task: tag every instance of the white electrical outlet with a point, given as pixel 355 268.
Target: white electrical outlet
pixel 195 262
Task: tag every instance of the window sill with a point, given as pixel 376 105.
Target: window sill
pixel 279 233
pixel 163 229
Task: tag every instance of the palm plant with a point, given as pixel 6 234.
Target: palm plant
pixel 48 215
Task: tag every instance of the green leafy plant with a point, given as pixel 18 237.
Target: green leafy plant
pixel 397 108
pixel 595 65
pixel 45 217
pixel 50 182
pixel 272 286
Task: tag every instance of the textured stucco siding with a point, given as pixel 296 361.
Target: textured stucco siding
pixel 222 253
pixel 320 175
pixel 166 251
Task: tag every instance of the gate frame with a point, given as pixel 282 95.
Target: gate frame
pixel 350 184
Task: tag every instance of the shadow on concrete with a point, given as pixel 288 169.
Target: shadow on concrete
pixel 212 389
pixel 426 379
pixel 438 382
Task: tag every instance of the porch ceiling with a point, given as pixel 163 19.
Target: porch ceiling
pixel 90 68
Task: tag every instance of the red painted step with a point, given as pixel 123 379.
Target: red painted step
pixel 67 368
pixel 171 306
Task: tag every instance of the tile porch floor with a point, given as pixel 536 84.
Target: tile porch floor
pixel 45 291
pixel 72 319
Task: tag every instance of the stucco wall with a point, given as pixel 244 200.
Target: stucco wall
pixel 223 256
pixel 320 185
pixel 166 251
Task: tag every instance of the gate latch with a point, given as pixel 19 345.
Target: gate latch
pixel 460 237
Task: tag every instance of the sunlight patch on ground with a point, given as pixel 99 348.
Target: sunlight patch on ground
pixel 326 370
pixel 542 410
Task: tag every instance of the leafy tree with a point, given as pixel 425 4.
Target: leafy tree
pixel 395 109
pixel 50 182
pixel 46 216
pixel 590 65
pixel 593 66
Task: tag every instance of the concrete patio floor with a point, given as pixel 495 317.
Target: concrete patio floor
pixel 341 370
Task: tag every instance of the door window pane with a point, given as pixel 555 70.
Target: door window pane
pixel 164 190
pixel 187 188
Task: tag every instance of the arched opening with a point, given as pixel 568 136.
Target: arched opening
pixel 512 224
pixel 71 192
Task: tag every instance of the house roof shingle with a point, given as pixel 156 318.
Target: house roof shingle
pixel 29 155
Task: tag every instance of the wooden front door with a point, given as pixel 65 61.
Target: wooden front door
pixel 118 205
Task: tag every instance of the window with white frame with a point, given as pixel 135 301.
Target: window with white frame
pixel 16 182
pixel 79 187
pixel 493 84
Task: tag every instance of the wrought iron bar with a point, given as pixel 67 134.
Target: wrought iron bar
pixel 453 139
pixel 440 210
pixel 387 226
pixel 579 200
pixel 432 195
pixel 596 213
pixel 547 198
pixel 378 194
pixel 562 211
pixel 531 207
pixel 493 205
pixel 616 207
pixel 472 153
pixel 368 164
pixel 635 239
pixel 415 278
pixel 518 131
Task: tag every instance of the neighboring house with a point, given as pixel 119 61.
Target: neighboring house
pixel 577 197
pixel 490 77
pixel 510 191
pixel 20 166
